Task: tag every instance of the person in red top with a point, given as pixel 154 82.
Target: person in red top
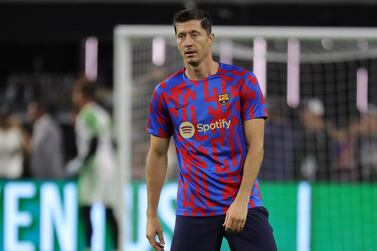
pixel 215 113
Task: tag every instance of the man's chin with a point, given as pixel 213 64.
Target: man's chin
pixel 192 62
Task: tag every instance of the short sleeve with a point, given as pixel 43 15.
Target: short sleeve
pixel 159 122
pixel 252 101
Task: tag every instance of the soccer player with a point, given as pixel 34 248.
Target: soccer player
pixel 215 113
pixel 97 182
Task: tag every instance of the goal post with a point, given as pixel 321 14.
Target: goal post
pixel 329 72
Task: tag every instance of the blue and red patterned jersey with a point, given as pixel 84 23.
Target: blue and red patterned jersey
pixel 205 118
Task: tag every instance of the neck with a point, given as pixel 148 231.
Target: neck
pixel 202 70
pixel 4 126
pixel 85 103
pixel 40 115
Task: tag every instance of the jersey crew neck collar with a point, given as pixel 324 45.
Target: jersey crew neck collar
pixel 206 78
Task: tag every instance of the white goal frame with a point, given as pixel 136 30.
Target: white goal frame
pixel 123 73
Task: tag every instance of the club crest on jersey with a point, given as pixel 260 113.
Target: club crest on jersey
pixel 223 98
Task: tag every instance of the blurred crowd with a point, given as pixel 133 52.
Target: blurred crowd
pixel 40 150
pixel 37 132
pixel 300 144
pixel 303 144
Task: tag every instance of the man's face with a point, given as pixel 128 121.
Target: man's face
pixel 32 111
pixel 368 123
pixel 77 97
pixel 310 120
pixel 193 42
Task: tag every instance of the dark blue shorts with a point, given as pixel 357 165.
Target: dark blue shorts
pixel 206 233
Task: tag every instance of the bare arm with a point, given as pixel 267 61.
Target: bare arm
pixel 155 175
pixel 237 212
pixel 254 133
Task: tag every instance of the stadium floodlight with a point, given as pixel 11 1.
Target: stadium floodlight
pixel 91 58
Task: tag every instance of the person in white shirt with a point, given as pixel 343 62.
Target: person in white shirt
pixel 13 145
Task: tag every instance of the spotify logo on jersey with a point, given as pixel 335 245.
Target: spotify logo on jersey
pixel 187 130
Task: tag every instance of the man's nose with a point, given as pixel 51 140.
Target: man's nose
pixel 188 42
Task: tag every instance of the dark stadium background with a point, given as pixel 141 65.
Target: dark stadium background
pixel 55 29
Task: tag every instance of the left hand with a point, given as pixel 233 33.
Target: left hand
pixel 72 168
pixel 235 217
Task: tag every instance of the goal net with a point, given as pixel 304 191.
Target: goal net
pixel 320 163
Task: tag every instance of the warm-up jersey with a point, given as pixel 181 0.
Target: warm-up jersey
pixel 205 118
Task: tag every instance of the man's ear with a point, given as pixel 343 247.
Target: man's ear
pixel 212 37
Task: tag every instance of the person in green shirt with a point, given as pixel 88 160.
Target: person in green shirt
pixel 95 162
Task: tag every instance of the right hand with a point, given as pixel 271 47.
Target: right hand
pixel 154 228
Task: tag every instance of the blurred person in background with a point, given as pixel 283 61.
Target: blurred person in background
pixel 14 144
pixel 313 145
pixel 367 154
pixel 343 165
pixel 95 162
pixel 278 161
pixel 46 153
